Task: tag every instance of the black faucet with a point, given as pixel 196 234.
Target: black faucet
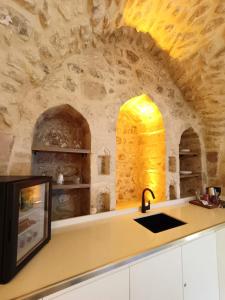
pixel 145 207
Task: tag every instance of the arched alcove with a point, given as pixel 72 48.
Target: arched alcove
pixel 190 163
pixel 141 151
pixel 61 144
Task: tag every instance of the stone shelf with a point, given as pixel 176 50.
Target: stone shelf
pixel 60 150
pixel 189 154
pixel 182 176
pixel 70 186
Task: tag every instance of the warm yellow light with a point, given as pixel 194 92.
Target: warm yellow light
pixel 168 23
pixel 140 150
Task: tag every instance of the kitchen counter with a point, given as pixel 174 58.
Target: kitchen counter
pixel 78 249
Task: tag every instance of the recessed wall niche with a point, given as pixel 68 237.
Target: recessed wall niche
pixel 140 152
pixel 61 145
pixel 190 163
pixel 103 202
pixel 172 192
pixel 104 163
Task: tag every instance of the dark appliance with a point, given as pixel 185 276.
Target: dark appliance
pixel 25 221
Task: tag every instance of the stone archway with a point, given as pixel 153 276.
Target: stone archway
pixel 141 152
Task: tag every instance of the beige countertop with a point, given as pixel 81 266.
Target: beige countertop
pixel 81 248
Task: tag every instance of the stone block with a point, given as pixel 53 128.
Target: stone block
pixel 23 168
pixel 44 16
pixel 65 10
pixel 6 145
pixel 16 21
pixel 3 169
pixel 132 57
pixel 28 4
pixel 94 90
pixel 70 85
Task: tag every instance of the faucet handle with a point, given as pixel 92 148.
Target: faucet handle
pixel 147 206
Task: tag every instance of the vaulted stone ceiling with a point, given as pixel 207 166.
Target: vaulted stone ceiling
pixel 192 32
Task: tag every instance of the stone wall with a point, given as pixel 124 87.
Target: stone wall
pixel 53 54
pixel 192 34
pixel 127 165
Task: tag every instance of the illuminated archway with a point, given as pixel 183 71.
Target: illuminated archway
pixel 141 151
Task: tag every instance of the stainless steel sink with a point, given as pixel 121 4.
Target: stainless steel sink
pixel 159 222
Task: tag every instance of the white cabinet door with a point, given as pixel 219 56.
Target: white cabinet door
pixel 220 236
pixel 111 287
pixel 158 278
pixel 200 274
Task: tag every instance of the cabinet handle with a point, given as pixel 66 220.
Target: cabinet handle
pixel 185 284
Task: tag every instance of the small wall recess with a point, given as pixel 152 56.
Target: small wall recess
pixel 172 164
pixel 103 164
pixel 103 202
pixel 172 192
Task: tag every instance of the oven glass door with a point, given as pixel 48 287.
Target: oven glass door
pixel 33 219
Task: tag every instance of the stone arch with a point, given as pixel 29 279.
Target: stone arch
pixel 62 115
pixel 141 151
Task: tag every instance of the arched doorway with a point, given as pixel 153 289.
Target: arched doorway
pixel 141 152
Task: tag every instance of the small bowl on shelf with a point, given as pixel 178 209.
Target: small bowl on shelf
pixel 185 150
pixel 185 172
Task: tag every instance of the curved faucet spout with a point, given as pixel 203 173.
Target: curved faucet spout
pixel 145 207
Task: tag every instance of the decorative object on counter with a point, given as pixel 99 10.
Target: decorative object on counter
pixel 28 224
pixel 210 199
pixel 204 203
pixel 213 191
pixel 214 194
pixel 60 179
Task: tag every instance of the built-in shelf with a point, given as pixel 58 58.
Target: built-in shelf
pixel 188 154
pixel 191 161
pixel 190 175
pixel 60 150
pixel 57 127
pixel 70 186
